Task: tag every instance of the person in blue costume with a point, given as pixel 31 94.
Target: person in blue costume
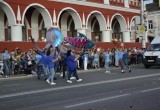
pixel 43 58
pixel 125 60
pixel 71 62
pixel 123 54
pixel 51 59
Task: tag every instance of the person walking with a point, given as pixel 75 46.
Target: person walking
pixel 50 63
pixel 125 60
pixel 71 62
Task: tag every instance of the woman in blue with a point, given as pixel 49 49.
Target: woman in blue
pixel 50 63
pixel 71 62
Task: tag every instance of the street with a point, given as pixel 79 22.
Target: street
pixel 138 90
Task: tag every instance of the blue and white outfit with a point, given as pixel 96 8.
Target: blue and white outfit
pixel 6 57
pixel 116 58
pixel 44 64
pixel 50 65
pixel 107 62
pixel 85 61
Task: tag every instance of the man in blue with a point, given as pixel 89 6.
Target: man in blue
pixel 6 58
pixel 71 62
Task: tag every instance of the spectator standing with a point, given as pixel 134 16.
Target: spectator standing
pixel 107 61
pixel 6 58
pixel 116 57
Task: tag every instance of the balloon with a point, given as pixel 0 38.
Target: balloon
pixel 54 36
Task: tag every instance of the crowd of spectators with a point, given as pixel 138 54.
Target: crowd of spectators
pixel 19 62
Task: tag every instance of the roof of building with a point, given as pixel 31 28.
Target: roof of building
pixel 152 7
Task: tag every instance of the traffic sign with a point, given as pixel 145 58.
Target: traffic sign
pixel 142 28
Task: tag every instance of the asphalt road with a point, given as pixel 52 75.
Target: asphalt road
pixel 138 90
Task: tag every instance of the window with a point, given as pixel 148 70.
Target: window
pixel 150 24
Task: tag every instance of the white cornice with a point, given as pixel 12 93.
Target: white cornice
pixel 98 5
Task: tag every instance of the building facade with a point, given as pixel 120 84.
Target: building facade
pixel 153 17
pixel 99 20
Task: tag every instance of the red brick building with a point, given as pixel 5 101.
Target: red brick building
pixel 99 20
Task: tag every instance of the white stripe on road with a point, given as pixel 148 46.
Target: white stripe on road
pixel 78 85
pixel 94 101
pixel 11 85
pixel 148 90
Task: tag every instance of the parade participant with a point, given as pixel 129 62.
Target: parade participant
pixel 120 56
pixel 125 59
pixel 71 62
pixel 107 61
pixel 50 63
pixel 38 65
pixel 43 60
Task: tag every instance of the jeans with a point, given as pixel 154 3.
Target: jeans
pixel 45 70
pixel 39 69
pixel 74 71
pixel 107 66
pixel 51 76
pixel 125 63
pixel 6 68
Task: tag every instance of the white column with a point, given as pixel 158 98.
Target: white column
pixel 83 31
pixel 106 2
pixel 106 36
pixel 126 3
pixel 126 36
pixel 16 33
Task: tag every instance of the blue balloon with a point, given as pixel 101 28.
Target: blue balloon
pixel 54 36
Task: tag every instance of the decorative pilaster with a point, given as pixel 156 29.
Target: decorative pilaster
pixel 54 19
pixel 19 15
pixel 83 21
